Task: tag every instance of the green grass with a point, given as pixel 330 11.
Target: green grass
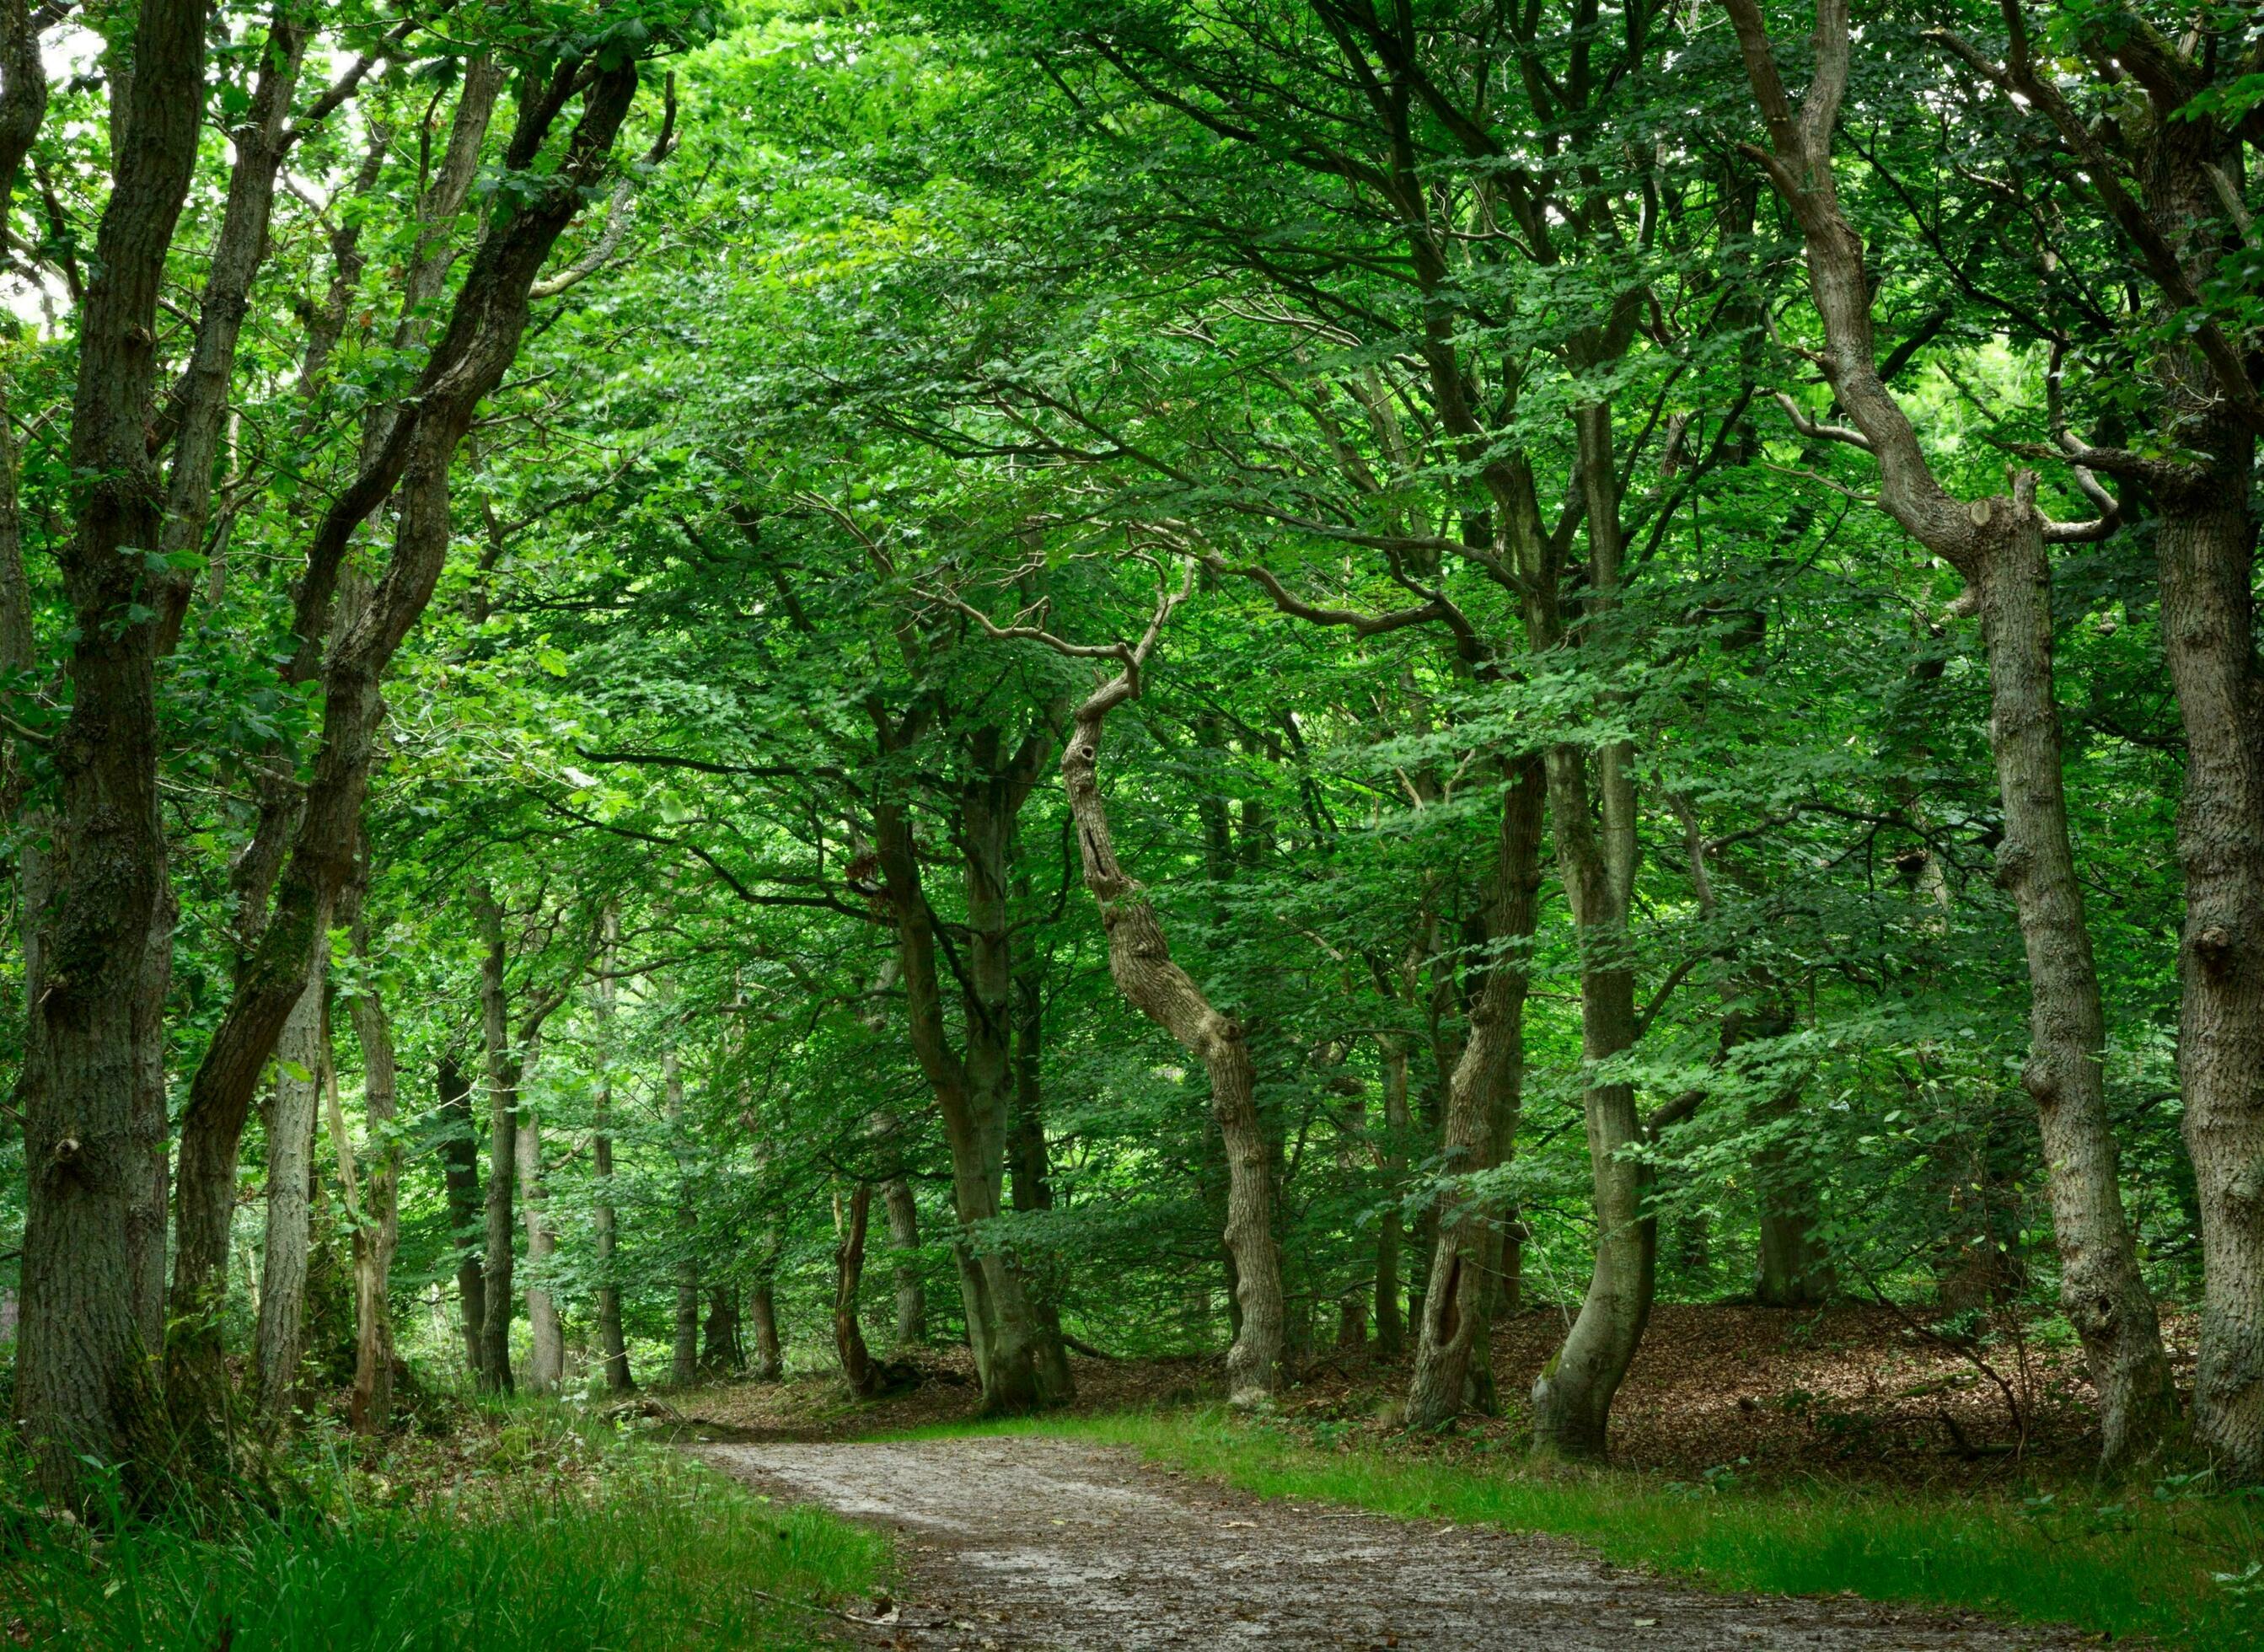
pixel 657 1553
pixel 2143 1565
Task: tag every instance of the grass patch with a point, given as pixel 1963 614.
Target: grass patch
pixel 2177 1565
pixel 653 1551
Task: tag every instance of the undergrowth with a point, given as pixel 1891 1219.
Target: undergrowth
pixel 543 1535
pixel 2177 1562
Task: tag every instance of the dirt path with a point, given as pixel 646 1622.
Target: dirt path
pixel 1023 1543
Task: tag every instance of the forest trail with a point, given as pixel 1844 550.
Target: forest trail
pixel 1018 1543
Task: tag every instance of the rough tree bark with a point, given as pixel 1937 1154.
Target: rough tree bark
pixel 83 1384
pixel 2186 163
pixel 1998 543
pixel 904 1238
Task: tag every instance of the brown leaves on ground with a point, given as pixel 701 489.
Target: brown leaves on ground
pixel 1851 1391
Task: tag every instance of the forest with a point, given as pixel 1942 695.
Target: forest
pixel 1499 762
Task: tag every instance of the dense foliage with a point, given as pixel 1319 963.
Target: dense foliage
pixel 1414 412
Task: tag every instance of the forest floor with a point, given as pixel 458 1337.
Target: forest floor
pixel 1852 1392
pixel 1026 1543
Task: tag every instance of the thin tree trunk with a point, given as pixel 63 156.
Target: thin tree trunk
pixel 502 1075
pixel 613 1346
pixel 546 1359
pixel 904 1238
pixel 460 1177
pixel 762 1308
pixel 1390 1325
pixel 2102 1290
pixel 684 1365
pixel 857 1368
pixel 371 1408
pixel 290 1172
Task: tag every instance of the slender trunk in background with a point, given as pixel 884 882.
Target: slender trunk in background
pixel 762 1308
pixel 684 1363
pixel 720 1353
pixel 503 1074
pixel 1390 1325
pixel 904 1238
pixel 378 1230
pixel 1792 1265
pixel 612 1346
pixel 1456 1321
pixel 459 1154
pixel 857 1368
pixel 1998 544
pixel 84 1386
pixel 277 1343
pixel 1025 1149
pixel 546 1359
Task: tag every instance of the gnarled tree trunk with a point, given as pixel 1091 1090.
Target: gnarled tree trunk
pixel 1998 543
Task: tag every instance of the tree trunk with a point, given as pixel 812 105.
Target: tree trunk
pixel 973 1090
pixel 1481 1093
pixel 683 1363
pixel 857 1369
pixel 1390 1326
pixel 904 1237
pixel 762 1308
pixel 2207 560
pixel 502 1075
pixel 546 1359
pixel 468 361
pixel 1033 1187
pixel 299 1058
pixel 460 1176
pixel 612 1346
pixel 1998 543
pixel 720 1353
pixel 371 1408
pixel 1572 1397
pixel 1792 1268
pixel 2101 1291
pixel 1140 961
pixel 83 1384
